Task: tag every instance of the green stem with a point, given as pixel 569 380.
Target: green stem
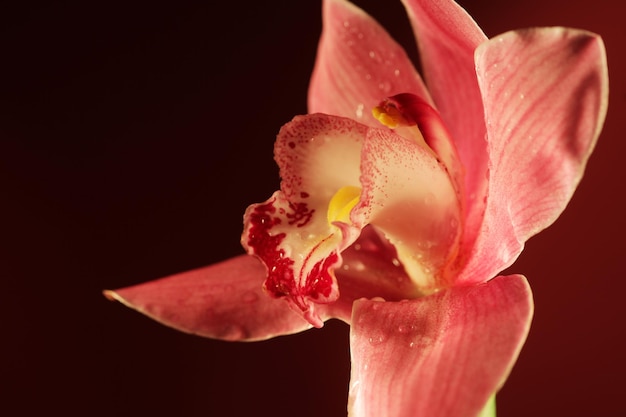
pixel 490 408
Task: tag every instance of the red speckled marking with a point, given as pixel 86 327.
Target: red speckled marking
pixel 280 279
pixel 300 215
pixel 319 280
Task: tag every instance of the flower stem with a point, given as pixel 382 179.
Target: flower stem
pixel 490 408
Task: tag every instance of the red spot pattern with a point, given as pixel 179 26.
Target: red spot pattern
pixel 320 281
pixel 300 214
pixel 281 280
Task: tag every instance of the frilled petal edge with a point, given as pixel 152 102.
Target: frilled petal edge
pixel 337 177
pixel 441 355
pixel 545 92
pixel 223 301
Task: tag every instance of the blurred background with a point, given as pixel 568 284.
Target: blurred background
pixel 132 138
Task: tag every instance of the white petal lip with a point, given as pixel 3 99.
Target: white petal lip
pixel 406 193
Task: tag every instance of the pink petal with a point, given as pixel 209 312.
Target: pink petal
pixel 223 301
pixel 358 64
pixel 545 93
pixel 408 195
pixel 441 355
pixel 447 37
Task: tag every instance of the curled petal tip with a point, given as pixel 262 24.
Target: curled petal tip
pixel 112 295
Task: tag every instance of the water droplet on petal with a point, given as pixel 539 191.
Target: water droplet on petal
pixel 359 110
pixel 385 87
pixel 377 340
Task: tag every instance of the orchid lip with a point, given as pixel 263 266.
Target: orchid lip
pixel 403 191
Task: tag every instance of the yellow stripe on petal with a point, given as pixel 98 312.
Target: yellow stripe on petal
pixel 342 204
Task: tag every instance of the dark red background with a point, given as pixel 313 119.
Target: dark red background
pixel 132 137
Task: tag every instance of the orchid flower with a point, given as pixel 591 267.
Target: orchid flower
pixel 401 202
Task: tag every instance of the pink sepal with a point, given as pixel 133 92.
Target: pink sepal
pixel 440 355
pixel 223 301
pixel 358 64
pixel 545 92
